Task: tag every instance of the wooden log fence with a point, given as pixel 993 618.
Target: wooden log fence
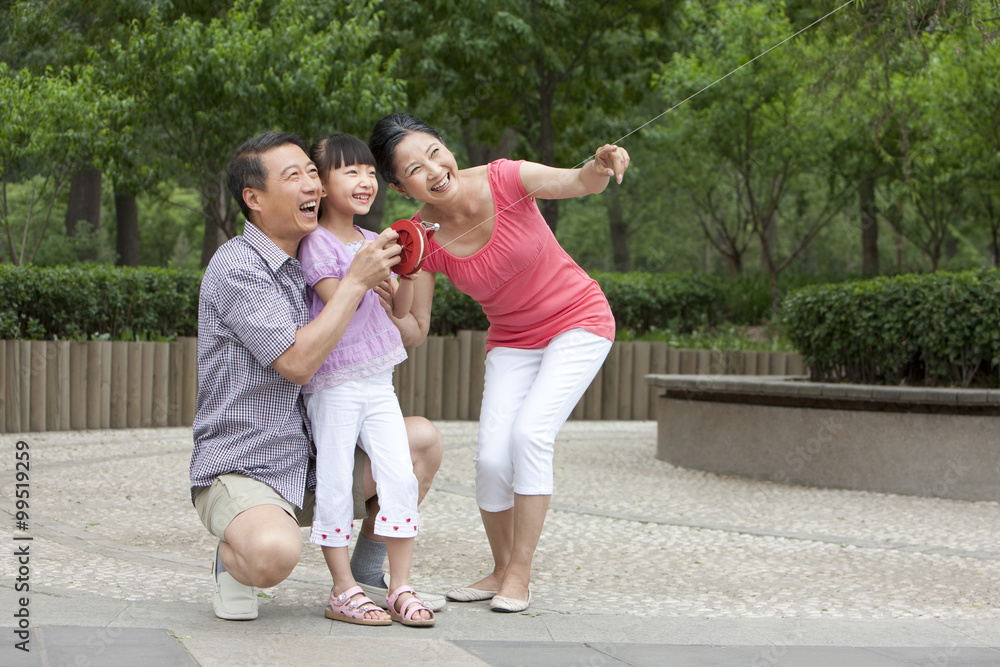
pixel 59 385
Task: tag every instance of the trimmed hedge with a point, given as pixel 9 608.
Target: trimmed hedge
pixel 119 303
pixel 97 301
pixel 639 301
pixel 942 328
pixel 678 302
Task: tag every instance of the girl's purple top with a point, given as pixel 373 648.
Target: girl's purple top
pixel 371 342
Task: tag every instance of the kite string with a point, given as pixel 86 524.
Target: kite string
pixel 653 119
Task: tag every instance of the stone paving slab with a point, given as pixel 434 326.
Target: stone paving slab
pixel 107 647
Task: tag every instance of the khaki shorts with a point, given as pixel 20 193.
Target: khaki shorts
pixel 233 493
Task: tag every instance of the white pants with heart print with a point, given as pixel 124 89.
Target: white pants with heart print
pixel 367 409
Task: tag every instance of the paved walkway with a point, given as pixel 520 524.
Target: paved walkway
pixel 640 563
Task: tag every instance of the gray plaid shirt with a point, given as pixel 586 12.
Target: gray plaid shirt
pixel 250 419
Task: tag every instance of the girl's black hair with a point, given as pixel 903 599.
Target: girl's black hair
pixel 386 136
pixel 339 150
pixel 336 151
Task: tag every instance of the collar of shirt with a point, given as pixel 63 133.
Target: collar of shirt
pixel 261 242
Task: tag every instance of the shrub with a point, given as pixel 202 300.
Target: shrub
pixel 120 303
pixel 639 301
pixel 97 301
pixel 453 311
pixel 942 328
pixel 680 302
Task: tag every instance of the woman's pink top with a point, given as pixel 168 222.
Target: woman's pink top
pixel 530 289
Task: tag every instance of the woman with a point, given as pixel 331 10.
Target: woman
pixel 550 324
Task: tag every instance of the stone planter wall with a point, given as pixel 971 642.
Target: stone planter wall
pixel 916 441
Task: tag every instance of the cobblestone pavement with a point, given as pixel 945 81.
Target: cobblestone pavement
pixel 627 536
pixel 666 540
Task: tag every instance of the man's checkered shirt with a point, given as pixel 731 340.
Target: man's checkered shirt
pixel 250 419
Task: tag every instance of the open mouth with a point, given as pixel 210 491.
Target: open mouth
pixel 309 208
pixel 442 184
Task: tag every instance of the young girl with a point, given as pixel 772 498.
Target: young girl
pixel 352 395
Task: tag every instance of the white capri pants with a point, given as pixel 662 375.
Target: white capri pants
pixel 528 395
pixel 365 408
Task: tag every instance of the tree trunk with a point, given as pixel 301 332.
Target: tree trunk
pixel 220 217
pixel 480 153
pixel 869 227
pixel 127 227
pixel 994 231
pixel 769 235
pixel 735 263
pixel 619 231
pixel 547 151
pixel 550 211
pixel 210 242
pixel 84 203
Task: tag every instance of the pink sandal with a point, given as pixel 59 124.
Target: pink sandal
pixel 344 608
pixel 409 608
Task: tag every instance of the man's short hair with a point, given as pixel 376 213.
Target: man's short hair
pixel 246 169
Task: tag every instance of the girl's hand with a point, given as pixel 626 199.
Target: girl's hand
pixel 385 291
pixel 611 160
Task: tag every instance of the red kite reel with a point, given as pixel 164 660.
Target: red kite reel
pixel 413 239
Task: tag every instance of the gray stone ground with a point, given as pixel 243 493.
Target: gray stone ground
pixel 639 560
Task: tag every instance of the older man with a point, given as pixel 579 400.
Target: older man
pixel 251 474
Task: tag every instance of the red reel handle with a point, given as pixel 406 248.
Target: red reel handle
pixel 413 241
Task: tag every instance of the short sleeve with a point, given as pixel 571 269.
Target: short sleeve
pixel 320 257
pixel 506 182
pixel 253 307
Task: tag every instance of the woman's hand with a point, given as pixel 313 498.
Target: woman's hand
pixel 611 160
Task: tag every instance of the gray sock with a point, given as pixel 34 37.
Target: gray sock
pixel 367 561
pixel 219 566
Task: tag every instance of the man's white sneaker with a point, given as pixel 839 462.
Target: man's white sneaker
pixel 232 600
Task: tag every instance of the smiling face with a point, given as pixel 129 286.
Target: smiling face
pixel 425 168
pixel 350 190
pixel 286 209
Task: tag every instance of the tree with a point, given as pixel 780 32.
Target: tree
pixel 206 87
pixel 762 131
pixel 51 127
pixel 961 96
pixel 58 34
pixel 556 73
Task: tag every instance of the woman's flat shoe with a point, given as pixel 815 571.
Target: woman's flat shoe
pixel 469 594
pixel 509 605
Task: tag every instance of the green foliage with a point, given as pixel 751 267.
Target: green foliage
pixel 725 338
pixel 641 302
pixel 901 96
pixel 51 126
pixel 680 302
pixel 453 311
pixel 204 86
pixel 933 329
pixel 85 302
